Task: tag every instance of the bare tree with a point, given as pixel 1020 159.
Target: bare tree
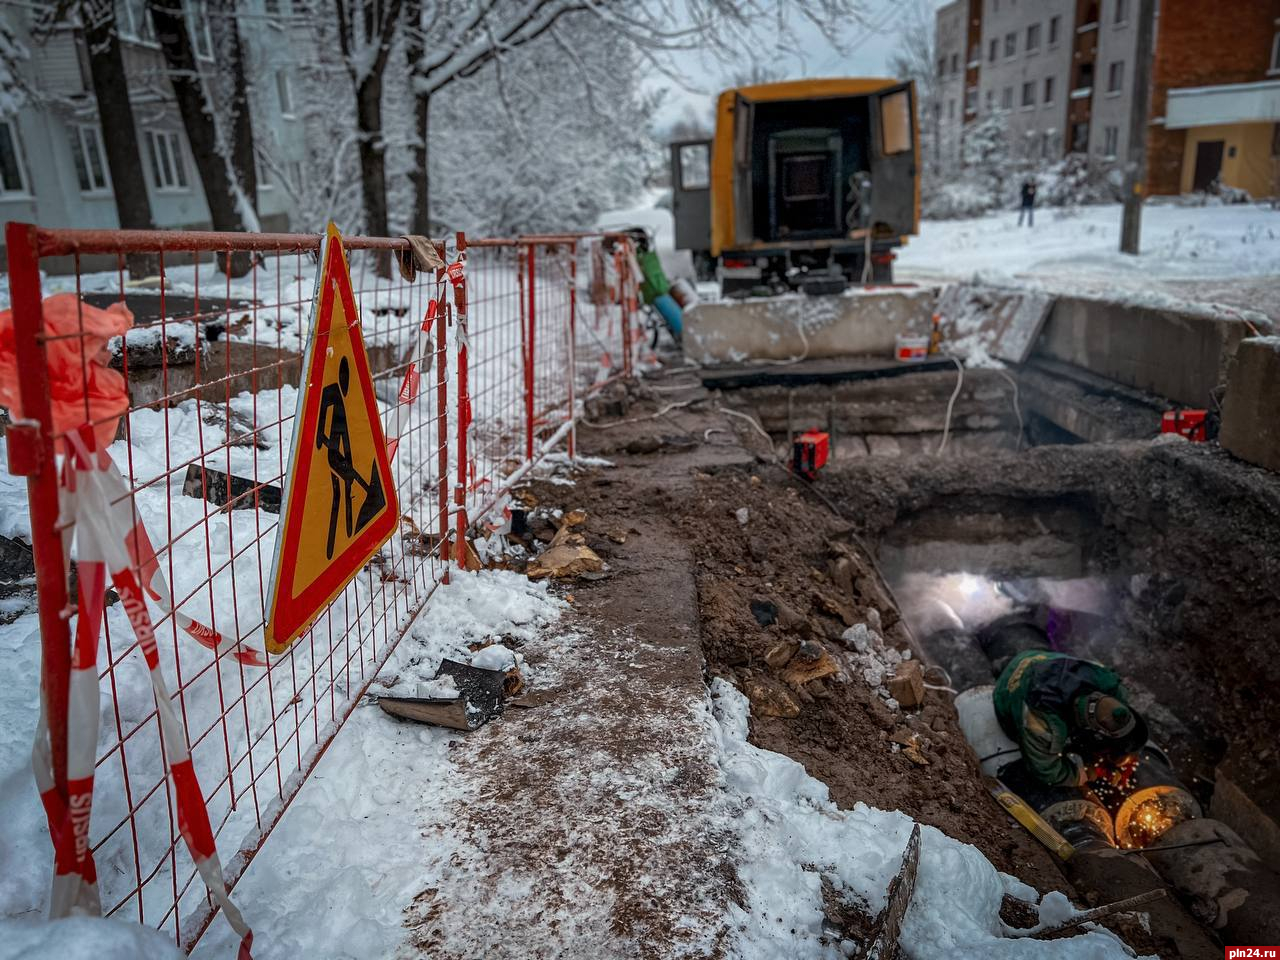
pixel 459 39
pixel 232 88
pixel 230 208
pixel 119 133
pixel 915 59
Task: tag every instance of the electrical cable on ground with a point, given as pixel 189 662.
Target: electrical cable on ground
pixel 946 425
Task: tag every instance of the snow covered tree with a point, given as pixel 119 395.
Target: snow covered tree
pixel 119 132
pixel 14 91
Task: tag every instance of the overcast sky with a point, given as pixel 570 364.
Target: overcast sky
pixel 867 54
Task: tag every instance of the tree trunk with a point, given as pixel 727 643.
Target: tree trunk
pixel 119 133
pixel 212 154
pixel 373 174
pixel 420 175
pixel 229 49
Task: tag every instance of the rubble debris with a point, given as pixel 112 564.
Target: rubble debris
pixel 884 945
pixel 567 555
pixel 799 671
pixel 781 653
pixel 204 483
pixel 769 699
pixel 478 698
pixel 907 684
pixel 764 610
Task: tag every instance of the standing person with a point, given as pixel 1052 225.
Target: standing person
pixel 1028 202
pixel 1064 712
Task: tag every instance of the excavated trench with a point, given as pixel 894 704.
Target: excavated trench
pixel 1157 558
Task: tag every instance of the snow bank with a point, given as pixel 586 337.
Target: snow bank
pixel 83 938
pixel 1178 243
pixel 792 836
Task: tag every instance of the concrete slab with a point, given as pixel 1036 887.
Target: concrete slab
pixel 783 328
pixel 1181 355
pixel 1251 410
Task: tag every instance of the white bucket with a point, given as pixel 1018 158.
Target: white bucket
pixel 911 349
pixel 978 723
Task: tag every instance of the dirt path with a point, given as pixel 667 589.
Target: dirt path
pixel 596 809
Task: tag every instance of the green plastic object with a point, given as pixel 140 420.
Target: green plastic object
pixel 655 282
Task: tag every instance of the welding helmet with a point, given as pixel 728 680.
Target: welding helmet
pixel 1115 725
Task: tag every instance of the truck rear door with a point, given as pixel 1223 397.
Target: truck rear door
pixel 691 194
pixel 893 161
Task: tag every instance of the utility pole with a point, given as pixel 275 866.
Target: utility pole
pixel 1135 168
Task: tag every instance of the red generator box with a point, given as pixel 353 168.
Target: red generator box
pixel 1189 423
pixel 809 453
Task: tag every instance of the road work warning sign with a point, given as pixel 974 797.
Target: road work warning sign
pixel 340 501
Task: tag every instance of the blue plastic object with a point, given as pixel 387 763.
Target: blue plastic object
pixel 671 314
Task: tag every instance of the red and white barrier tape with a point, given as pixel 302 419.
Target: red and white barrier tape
pixel 97 505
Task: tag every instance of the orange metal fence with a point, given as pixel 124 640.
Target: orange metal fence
pixel 212 366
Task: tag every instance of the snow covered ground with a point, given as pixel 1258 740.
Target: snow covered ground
pixel 1185 249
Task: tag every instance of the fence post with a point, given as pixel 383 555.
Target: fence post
pixel 529 371
pixel 573 347
pixel 442 430
pixel 32 454
pixel 464 418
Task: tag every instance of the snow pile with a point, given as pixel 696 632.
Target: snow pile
pixel 496 608
pixel 793 837
pixel 84 938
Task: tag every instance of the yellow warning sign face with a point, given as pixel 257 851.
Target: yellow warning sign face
pixel 339 500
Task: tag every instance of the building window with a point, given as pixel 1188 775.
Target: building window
pixel 284 93
pixel 971 100
pixel 198 27
pixel 993 50
pixel 168 168
pixel 90 159
pixel 135 21
pixel 1275 54
pixel 1122 11
pixel 271 7
pixel 1048 89
pixel 13 177
pixel 1028 94
pixel 1080 137
pixel 1084 76
pixel 942 67
pixel 951 109
pixel 1010 44
pixel 1055 23
pixel 1111 138
pixel 991 100
pixel 955 63
pixel 1046 144
pixel 1006 98
pixel 1115 77
pixel 1033 38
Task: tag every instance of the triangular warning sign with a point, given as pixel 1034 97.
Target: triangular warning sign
pixel 340 499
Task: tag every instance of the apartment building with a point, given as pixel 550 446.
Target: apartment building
pixel 1061 72
pixel 53 168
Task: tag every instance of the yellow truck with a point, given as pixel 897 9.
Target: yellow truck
pixel 807 185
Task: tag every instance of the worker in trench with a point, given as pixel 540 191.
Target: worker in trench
pixel 1066 714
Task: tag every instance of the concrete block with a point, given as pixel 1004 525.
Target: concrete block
pixel 857 322
pixel 1251 410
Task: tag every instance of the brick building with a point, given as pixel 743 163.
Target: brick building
pixel 1061 72
pixel 1215 98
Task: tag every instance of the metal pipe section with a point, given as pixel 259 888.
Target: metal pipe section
pixel 1225 883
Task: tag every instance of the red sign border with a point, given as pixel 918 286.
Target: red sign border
pixel 289 616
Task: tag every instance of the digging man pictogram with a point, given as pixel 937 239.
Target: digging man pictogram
pixel 332 433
